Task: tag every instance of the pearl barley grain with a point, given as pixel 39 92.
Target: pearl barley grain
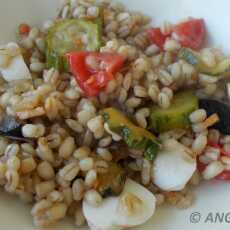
pixel 171 45
pixel 86 164
pixel 78 189
pixel 104 142
pixel 45 170
pixel 212 170
pixel 198 116
pixel 199 144
pixel 90 178
pixel 67 147
pixel 33 131
pixel 82 152
pixel 93 197
pixel 13 163
pixel 105 154
pixel 44 188
pixel 163 100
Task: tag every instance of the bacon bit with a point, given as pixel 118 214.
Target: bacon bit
pixel 211 120
pixel 24 29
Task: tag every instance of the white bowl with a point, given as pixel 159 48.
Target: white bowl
pixel 212 197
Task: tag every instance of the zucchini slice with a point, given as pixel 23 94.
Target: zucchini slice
pixel 193 58
pixel 134 136
pixel 176 116
pixel 71 35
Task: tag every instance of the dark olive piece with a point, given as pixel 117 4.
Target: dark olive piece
pixel 223 111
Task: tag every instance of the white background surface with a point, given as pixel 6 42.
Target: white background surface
pixel 214 197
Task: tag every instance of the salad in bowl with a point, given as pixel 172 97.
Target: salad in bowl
pixel 105 117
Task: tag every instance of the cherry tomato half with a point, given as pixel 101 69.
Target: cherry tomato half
pixel 92 81
pixel 155 36
pixel 191 33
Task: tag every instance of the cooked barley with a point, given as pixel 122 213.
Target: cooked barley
pixel 12 150
pixel 67 147
pixel 86 164
pixel 28 165
pixel 140 91
pixel 54 140
pixel 93 197
pixel 101 166
pixel 160 199
pixel 13 163
pixel 33 131
pixel 79 217
pixel 225 160
pixel 84 116
pixel 227 147
pixel 145 173
pixel 165 78
pixel 90 178
pixel 199 144
pixel 225 139
pixel 163 100
pixel 67 195
pixel 12 179
pixel 70 171
pixel 198 116
pixel 105 154
pixel 152 50
pixel 168 92
pixel 45 170
pixel 78 189
pixel 55 196
pixel 141 116
pixel 104 142
pixel 171 45
pixel 44 188
pixel 133 102
pixel 213 136
pixel 96 126
pixel 212 170
pixel 43 151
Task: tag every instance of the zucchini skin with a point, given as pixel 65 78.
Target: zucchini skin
pixel 193 58
pixel 57 48
pixel 135 137
pixel 176 116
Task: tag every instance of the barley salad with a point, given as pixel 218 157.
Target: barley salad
pixel 105 116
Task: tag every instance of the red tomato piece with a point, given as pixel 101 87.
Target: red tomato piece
pixel 24 29
pixel 155 36
pixel 201 166
pixel 225 175
pixel 224 153
pixel 110 62
pixel 92 81
pixel 214 145
pixel 191 33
